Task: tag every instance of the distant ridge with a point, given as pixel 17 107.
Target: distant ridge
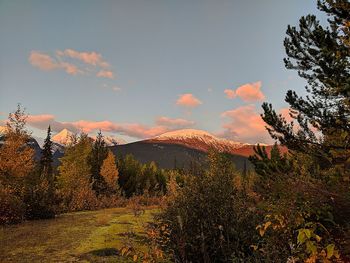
pixel 204 141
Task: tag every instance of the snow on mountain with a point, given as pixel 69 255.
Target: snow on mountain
pixel 204 136
pixel 204 141
pixel 64 137
pixel 198 139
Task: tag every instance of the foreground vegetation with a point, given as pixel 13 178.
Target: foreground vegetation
pixel 92 236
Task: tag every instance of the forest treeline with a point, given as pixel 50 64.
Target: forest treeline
pixel 88 177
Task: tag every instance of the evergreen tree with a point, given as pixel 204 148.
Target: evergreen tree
pixel 98 155
pixel 322 57
pixel 40 192
pixel 46 157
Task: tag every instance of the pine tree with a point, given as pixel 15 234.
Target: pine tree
pixel 322 57
pixel 98 155
pixel 40 196
pixel 46 157
pixel 110 174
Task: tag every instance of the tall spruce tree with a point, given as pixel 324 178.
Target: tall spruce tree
pixel 40 196
pixel 98 155
pixel 46 157
pixel 321 55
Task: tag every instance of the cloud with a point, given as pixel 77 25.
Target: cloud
pixel 244 124
pixel 188 100
pixel 41 122
pixel 249 92
pixel 42 61
pixel 47 63
pixel 66 60
pixel 136 130
pixel 105 74
pixel 230 93
pixel 92 58
pixel 174 123
pixel 285 112
pixel 71 69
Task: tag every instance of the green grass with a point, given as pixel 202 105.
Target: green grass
pixel 94 236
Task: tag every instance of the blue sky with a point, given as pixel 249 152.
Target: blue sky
pixel 157 51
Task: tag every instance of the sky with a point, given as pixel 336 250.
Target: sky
pixel 136 69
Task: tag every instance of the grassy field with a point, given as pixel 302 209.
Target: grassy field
pixel 94 236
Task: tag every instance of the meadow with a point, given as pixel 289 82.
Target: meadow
pixel 92 236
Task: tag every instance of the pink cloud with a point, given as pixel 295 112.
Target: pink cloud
pixel 105 74
pixel 285 112
pixel 42 61
pixel 92 58
pixel 136 130
pixel 43 121
pixel 244 124
pixel 175 123
pixel 230 93
pixel 249 92
pixel 70 68
pixel 188 100
pixel 47 63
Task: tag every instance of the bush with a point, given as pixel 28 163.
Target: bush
pixel 209 219
pixel 12 209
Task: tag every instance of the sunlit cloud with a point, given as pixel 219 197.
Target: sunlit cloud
pixel 188 100
pixel 92 58
pixel 42 61
pixel 244 124
pixel 105 74
pixel 249 92
pixel 72 62
pixel 230 93
pixel 47 63
pixel 136 130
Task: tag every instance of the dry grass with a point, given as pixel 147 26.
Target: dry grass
pixel 94 236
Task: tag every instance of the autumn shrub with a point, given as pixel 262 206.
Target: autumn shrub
pixel 210 219
pixel 305 213
pixel 12 209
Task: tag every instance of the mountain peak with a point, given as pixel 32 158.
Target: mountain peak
pixel 197 139
pixel 63 137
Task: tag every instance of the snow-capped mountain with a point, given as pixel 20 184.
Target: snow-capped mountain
pixel 64 137
pixel 197 139
pixel 201 139
pixel 204 141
